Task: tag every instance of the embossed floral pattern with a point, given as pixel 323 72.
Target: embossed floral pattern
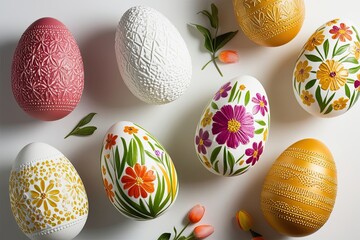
pixel 332 75
pixel 138 181
pixel 315 40
pixel 233 125
pixel 302 71
pixel 340 104
pixel 47 194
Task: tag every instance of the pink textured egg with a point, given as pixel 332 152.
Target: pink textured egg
pixel 47 70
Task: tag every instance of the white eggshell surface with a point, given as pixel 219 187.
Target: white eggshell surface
pixel 47 196
pixel 138 174
pixel 326 79
pixel 232 132
pixel 153 59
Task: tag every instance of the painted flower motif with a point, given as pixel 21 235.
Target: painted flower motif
pixel 145 138
pixel 343 32
pixel 315 40
pixel 130 130
pixel 261 104
pixel 206 161
pixel 302 71
pixel 332 22
pixel 357 83
pixel 233 125
pixel 254 153
pixel 356 50
pixel 332 75
pixel 74 186
pixel 110 141
pixel 139 181
pixel 202 141
pixel 242 87
pixel 223 92
pixel 103 170
pixel 307 98
pixel 109 190
pixel 158 153
pixel 340 103
pixel 207 118
pixel 45 195
pixel 18 204
pixel 265 134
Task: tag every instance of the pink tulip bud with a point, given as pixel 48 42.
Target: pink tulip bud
pixel 228 56
pixel 196 213
pixel 203 231
pixel 244 220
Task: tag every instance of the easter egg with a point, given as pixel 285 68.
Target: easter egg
pixel 300 188
pixel 47 70
pixel 272 22
pixel 153 59
pixel 138 174
pixel 231 134
pixel 47 196
pixel 326 79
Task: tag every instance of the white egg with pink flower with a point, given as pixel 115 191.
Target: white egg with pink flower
pixel 231 134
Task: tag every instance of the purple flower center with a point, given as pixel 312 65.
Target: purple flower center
pixel 333 74
pixel 233 125
pixel 301 71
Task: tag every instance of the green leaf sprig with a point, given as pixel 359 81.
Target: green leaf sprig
pixel 80 130
pixel 213 44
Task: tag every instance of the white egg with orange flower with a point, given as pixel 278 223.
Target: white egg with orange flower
pixel 326 79
pixel 232 132
pixel 138 174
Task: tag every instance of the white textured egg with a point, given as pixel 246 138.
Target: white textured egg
pixel 153 59
pixel 232 132
pixel 47 196
pixel 139 176
pixel 326 78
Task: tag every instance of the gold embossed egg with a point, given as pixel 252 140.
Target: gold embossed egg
pixel 299 191
pixel 270 22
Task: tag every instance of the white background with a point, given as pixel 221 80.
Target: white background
pixel 93 24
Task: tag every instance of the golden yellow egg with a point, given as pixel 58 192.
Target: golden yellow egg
pixel 270 22
pixel 299 191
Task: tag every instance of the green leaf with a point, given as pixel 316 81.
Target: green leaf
pixel 123 161
pixel 319 99
pixel 261 122
pixel 357 34
pixel 117 162
pixel 351 60
pixel 214 106
pixel 85 131
pixel 354 70
pixel 310 84
pixel 330 99
pixel 210 17
pixel 231 161
pixel 225 163
pixel 341 49
pixel 141 149
pixel 214 12
pixel 133 154
pixel 241 171
pixel 347 91
pixel 214 154
pixel 259 131
pixel 232 92
pixel 313 58
pixel 82 122
pixel 182 238
pixel 216 167
pixel 207 35
pixel 330 108
pixel 247 98
pixel 326 47
pixel 223 39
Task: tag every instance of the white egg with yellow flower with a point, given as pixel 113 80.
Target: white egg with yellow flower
pixel 326 79
pixel 138 174
pixel 47 196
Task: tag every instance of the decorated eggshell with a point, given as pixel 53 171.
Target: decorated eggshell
pixel 272 22
pixel 47 70
pixel 299 191
pixel 232 132
pixel 139 176
pixel 153 59
pixel 47 196
pixel 326 78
